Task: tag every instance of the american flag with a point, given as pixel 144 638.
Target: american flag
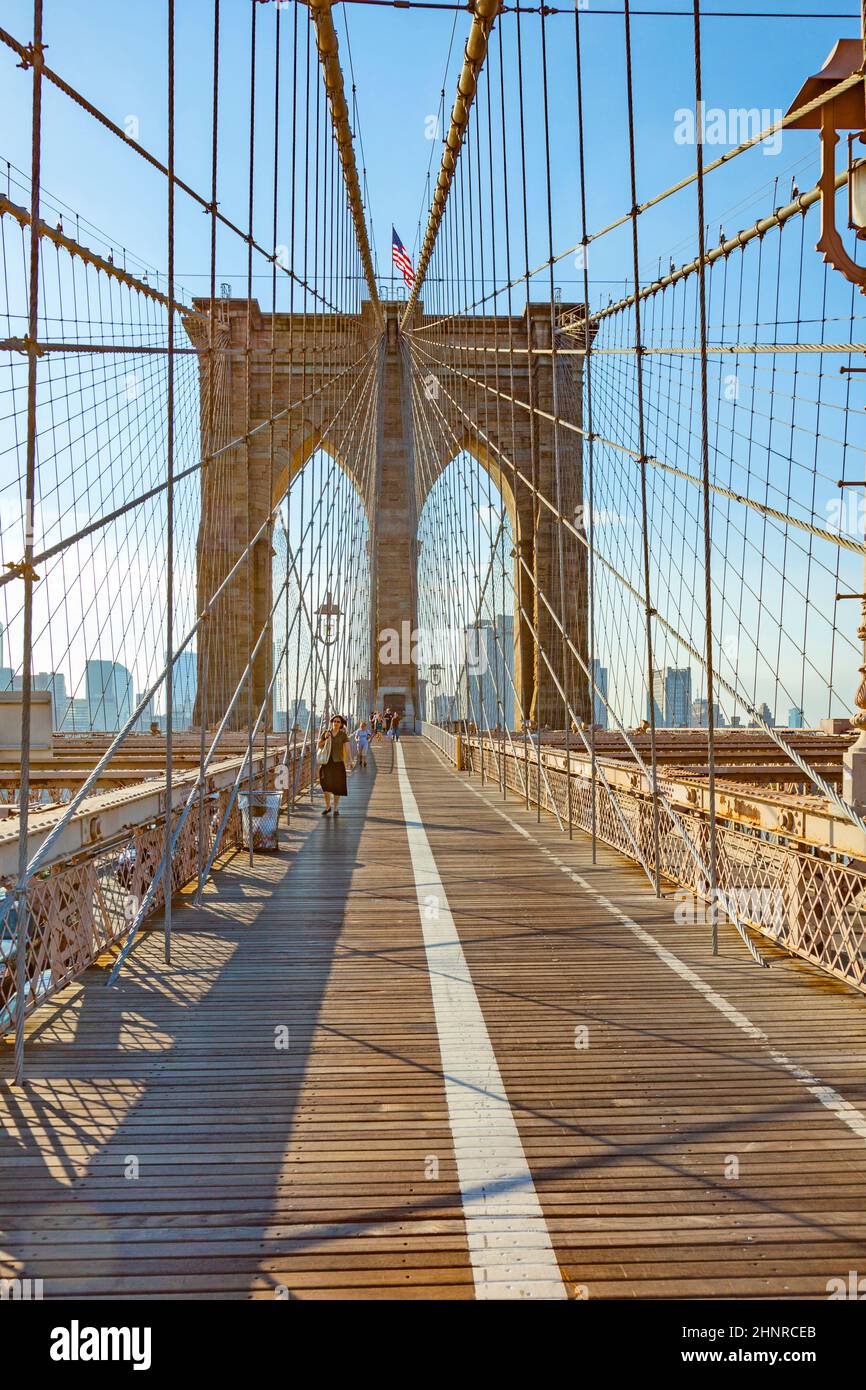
pixel 400 257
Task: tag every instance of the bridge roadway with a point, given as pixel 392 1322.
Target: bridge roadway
pixel 438 1126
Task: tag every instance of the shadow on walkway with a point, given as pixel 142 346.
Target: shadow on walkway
pixel 147 1101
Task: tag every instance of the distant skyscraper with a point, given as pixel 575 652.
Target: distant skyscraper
pixel 767 714
pixel 487 695
pixel 795 718
pixel 285 720
pixel 109 695
pixel 299 714
pixel 502 669
pixel 76 719
pixel 363 697
pixel 183 690
pixel 658 699
pixel 55 681
pixel 444 709
pixel 279 702
pixel 678 697
pixel 146 718
pixel 700 718
pixel 599 676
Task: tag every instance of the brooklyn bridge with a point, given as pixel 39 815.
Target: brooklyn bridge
pixel 557 512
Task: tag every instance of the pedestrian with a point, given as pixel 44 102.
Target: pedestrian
pixel 391 735
pixel 361 738
pixel 395 725
pixel 335 753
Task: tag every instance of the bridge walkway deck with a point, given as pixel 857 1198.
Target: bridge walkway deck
pixel 430 1050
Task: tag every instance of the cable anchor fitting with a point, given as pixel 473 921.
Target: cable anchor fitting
pixel 33 56
pixel 29 345
pixel 22 569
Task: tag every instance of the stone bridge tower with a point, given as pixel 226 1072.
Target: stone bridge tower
pixel 519 450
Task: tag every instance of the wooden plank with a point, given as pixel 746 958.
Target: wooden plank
pixel 310 1167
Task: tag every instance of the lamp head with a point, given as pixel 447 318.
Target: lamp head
pixel 845 112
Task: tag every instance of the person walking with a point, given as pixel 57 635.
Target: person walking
pixel 361 738
pixel 335 749
pixel 392 726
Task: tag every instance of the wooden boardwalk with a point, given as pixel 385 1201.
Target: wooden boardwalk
pixel 268 1117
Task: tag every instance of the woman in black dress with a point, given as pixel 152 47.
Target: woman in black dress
pixel 334 743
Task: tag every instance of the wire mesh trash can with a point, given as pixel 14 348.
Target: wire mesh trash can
pixel 265 807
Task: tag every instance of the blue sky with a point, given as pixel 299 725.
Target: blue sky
pixel 116 56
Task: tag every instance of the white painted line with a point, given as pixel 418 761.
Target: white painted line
pixel 827 1095
pixel 509 1244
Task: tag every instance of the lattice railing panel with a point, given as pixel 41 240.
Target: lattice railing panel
pixel 808 904
pixel 76 911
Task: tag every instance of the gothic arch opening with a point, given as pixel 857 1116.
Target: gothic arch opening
pixel 321 591
pixel 467 583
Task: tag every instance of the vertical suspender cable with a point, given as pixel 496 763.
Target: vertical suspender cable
pixel 638 349
pixel 518 528
pixel 169 531
pixel 589 440
pixel 535 709
pixel 205 639
pixel 501 665
pixel 29 514
pixel 705 462
pixel 296 769
pixel 557 463
pixel 249 367
pixel 269 646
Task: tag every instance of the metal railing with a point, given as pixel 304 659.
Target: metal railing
pixel 80 906
pixel 809 901
pixel 447 742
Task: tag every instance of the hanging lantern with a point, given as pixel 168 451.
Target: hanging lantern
pixel 856 188
pixel 328 617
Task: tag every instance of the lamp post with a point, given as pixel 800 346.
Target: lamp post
pixel 843 112
pixel 434 680
pixel 328 616
pixel 847 111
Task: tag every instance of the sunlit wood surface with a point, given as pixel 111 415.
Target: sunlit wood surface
pixel 169 1144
